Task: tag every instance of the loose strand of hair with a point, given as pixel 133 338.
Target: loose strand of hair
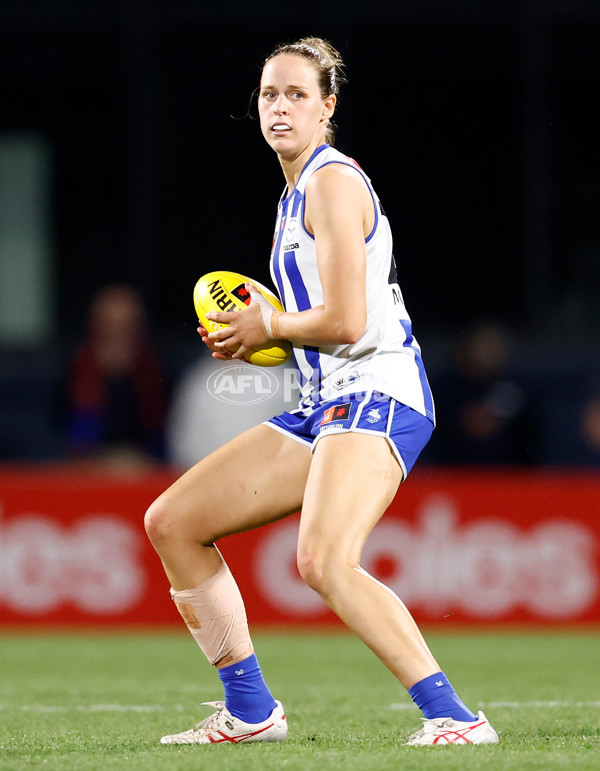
pixel 248 114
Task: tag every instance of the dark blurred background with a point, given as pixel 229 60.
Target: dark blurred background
pixel 477 120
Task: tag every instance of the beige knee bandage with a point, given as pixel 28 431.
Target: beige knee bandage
pixel 215 615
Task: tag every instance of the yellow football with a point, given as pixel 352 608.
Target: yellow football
pixel 223 290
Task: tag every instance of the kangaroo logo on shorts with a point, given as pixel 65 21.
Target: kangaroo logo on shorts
pixel 341 412
pixel 242 294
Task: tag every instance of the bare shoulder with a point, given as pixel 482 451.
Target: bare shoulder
pixel 338 196
pixel 334 175
pixel 337 180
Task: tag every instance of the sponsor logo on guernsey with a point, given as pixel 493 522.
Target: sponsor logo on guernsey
pixel 339 412
pixel 290 247
pixel 342 382
pixel 332 428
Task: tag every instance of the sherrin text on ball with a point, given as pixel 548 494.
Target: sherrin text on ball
pixel 223 290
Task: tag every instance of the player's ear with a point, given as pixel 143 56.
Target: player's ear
pixel 329 106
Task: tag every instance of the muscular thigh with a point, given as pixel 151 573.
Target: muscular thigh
pixel 353 479
pixel 256 478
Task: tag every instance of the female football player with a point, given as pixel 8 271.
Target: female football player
pixel 365 414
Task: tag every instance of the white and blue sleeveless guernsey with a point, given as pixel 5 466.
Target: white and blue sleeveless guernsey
pixel 387 358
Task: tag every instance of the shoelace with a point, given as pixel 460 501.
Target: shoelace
pixel 212 721
pixel 429 726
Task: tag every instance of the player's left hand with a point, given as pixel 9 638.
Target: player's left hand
pixel 245 328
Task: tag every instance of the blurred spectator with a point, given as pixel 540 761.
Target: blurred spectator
pixel 115 394
pixel 484 415
pixel 590 427
pixel 215 401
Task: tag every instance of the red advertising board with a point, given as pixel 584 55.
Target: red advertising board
pixel 457 547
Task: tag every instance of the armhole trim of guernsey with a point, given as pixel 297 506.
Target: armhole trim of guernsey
pixel 371 193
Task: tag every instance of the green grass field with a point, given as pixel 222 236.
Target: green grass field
pixel 102 702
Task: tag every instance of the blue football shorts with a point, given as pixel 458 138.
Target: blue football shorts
pixel 370 412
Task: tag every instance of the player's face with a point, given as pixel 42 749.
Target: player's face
pixel 293 114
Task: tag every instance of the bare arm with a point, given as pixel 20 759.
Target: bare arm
pixel 338 206
pixel 339 213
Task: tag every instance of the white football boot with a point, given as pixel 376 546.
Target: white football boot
pixel 445 730
pixel 222 726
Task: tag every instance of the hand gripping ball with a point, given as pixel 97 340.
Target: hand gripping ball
pixel 223 290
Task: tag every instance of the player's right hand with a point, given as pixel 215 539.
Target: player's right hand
pixel 217 353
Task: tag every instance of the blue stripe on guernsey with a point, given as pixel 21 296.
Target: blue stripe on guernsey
pixel 298 199
pixel 303 304
pixel 311 401
pixel 407 327
pixel 427 395
pixel 279 278
pixel 276 250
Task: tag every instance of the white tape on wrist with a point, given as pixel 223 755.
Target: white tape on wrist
pixel 266 309
pixel 267 315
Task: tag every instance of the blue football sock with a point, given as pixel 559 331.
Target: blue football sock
pixel 435 697
pixel 246 694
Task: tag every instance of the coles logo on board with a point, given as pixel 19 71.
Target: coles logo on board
pixel 94 564
pixel 491 567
